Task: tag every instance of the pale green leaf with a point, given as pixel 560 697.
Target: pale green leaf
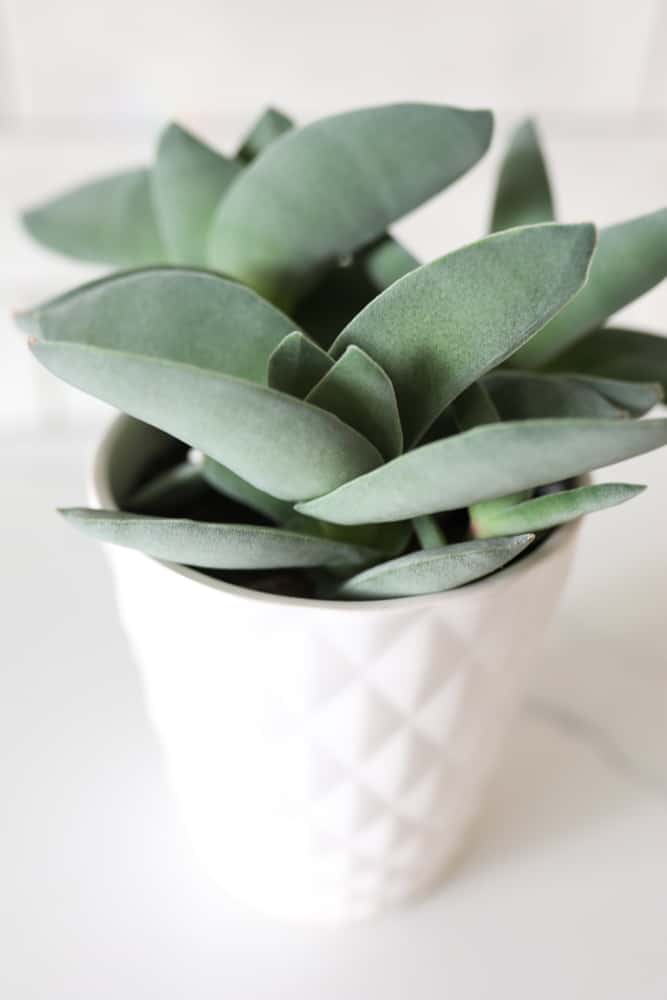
pixel 270 125
pixel 550 510
pixel 346 288
pixel 389 539
pixel 222 479
pixel 447 323
pixel 188 180
pixel 108 221
pixel 474 407
pixel 323 191
pixel 619 354
pixel 636 398
pixel 277 443
pixel 523 196
pixel 385 261
pixel 360 392
pixel 169 492
pixel 630 259
pixel 429 532
pixel 434 570
pixel 175 314
pixel 297 364
pixel 212 545
pixel 484 463
pixel 529 395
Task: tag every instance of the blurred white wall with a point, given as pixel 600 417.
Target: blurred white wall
pixel 84 85
pixel 84 58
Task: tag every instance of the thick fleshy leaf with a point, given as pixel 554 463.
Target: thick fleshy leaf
pixel 346 288
pixel 277 443
pixel 433 570
pixel 447 323
pixel 170 492
pixel 385 261
pixel 222 479
pixel 636 398
pixel 429 532
pixel 270 125
pixel 108 221
pixel 297 364
pixel 484 463
pixel 523 196
pixel 360 392
pixel 212 545
pixel 630 259
pixel 529 395
pixel 547 511
pixel 474 407
pixel 525 395
pixel 175 314
pixel 188 180
pixel 389 539
pixel 327 189
pixel 619 354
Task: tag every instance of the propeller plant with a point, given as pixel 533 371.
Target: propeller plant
pixel 346 422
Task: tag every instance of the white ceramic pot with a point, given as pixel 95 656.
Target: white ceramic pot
pixel 328 757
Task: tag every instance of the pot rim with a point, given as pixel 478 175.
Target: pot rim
pixel 101 496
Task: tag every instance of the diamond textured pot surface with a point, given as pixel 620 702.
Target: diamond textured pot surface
pixel 327 757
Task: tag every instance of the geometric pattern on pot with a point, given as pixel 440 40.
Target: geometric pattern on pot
pixel 327 763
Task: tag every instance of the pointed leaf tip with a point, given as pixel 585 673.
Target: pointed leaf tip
pixel 435 569
pixel 630 259
pixel 445 324
pixel 523 194
pixel 213 545
pixel 548 511
pixel 534 452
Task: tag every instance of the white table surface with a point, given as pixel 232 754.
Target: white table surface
pixel 562 894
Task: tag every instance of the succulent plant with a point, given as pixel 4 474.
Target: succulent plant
pixel 346 422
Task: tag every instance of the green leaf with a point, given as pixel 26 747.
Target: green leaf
pixel 636 398
pixel 387 539
pixel 277 443
pixel 212 545
pixel 550 510
pixel 484 463
pixel 270 125
pixel 110 221
pixel 523 196
pixel 297 364
pixel 346 288
pixel 327 189
pixel 630 259
pixel 434 570
pixel 474 407
pixel 617 353
pixel 169 492
pixel 447 323
pixel 187 182
pixel 232 486
pixel 428 531
pixel 529 395
pixel 360 392
pixel 385 261
pixel 175 314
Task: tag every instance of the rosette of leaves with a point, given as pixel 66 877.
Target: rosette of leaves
pixel 346 422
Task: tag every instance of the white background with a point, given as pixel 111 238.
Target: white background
pixel 563 893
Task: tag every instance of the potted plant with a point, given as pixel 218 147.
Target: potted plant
pixel 344 496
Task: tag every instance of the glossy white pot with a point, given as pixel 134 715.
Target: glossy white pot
pixel 328 757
